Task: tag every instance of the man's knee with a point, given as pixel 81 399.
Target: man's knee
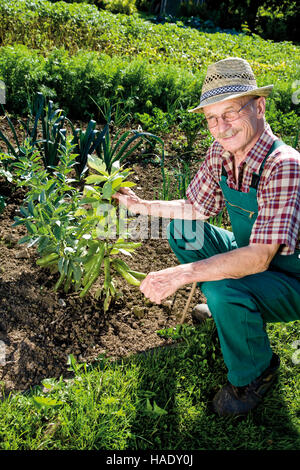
pixel 216 293
pixel 226 295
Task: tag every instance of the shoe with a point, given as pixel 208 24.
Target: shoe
pixel 231 400
pixel 200 313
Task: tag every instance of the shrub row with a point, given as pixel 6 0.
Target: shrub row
pixel 81 82
pixel 78 81
pixel 78 56
pixel 44 25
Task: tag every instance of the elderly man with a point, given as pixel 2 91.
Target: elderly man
pixel 250 275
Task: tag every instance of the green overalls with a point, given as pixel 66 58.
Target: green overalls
pixel 241 307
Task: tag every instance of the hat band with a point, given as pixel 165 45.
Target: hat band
pixel 226 89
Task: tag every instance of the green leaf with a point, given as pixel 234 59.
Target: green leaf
pixel 107 190
pixel 116 183
pixel 127 184
pixel 130 246
pixel 74 365
pixel 97 164
pixel 95 179
pixel 48 383
pixel 30 227
pixel 24 211
pixel 77 273
pixel 61 265
pixel 88 200
pixel 25 239
pixel 115 166
pixel 57 230
pixel 157 410
pixel 31 208
pixel 148 406
pixel 41 402
pixel 80 212
pixel 117 250
pixel 66 266
pixel 42 197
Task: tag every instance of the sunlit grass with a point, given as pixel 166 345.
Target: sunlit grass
pixel 156 401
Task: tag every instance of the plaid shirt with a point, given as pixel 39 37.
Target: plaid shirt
pixel 278 192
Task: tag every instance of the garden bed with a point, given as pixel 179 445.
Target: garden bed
pixel 40 328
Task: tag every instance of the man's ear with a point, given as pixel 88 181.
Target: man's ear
pixel 260 107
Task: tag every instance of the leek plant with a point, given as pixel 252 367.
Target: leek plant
pixel 49 122
pixel 53 134
pixel 2 203
pixel 122 145
pixel 16 148
pixel 85 143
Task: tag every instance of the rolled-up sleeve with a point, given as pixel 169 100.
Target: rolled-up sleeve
pixel 278 219
pixel 204 191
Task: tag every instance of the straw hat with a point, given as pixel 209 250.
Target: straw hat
pixel 227 79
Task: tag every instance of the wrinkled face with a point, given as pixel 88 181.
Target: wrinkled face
pixel 242 132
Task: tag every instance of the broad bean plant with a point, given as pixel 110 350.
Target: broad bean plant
pixel 78 234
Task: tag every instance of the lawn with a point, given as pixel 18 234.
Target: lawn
pixel 160 400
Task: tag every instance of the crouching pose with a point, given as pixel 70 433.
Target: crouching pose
pixel 250 275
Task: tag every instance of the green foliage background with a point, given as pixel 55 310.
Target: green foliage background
pixel 78 55
pixel 269 18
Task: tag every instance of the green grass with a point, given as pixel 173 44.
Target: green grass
pixel 158 401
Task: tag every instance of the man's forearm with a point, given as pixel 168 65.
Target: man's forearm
pixel 177 209
pixel 234 264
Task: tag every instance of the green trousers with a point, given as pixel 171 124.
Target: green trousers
pixel 240 307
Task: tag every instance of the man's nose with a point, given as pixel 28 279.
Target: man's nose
pixel 222 125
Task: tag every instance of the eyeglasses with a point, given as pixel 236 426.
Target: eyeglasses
pixel 229 116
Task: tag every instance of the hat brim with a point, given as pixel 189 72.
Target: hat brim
pixel 262 91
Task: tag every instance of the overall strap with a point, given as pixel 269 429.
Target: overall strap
pixel 255 176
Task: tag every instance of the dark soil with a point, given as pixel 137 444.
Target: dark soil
pixel 39 328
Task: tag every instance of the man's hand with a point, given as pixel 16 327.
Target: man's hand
pixel 161 284
pixel 129 199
